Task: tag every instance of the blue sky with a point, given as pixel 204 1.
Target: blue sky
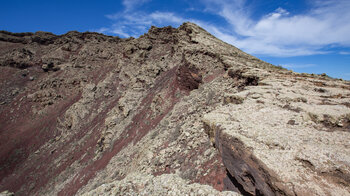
pixel 310 36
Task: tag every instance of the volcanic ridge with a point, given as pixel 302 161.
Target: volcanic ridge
pixel 173 112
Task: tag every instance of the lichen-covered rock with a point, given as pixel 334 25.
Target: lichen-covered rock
pixel 6 193
pixel 166 184
pixel 101 109
pixel 278 143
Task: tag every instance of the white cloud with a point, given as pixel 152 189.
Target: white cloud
pixel 282 34
pixel 298 66
pixel 101 30
pixel 166 17
pixel 344 53
pixel 278 33
pixel 120 31
pixel 135 23
pixel 132 4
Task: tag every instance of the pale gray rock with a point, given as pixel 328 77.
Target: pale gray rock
pixel 166 184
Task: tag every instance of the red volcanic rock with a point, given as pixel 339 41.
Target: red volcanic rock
pixel 188 78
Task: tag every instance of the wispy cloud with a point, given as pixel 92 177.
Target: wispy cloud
pixel 298 66
pixel 281 34
pixel 161 17
pixel 278 33
pixel 135 23
pixel 344 53
pixel 132 4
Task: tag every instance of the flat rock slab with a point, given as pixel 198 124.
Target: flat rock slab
pixel 269 148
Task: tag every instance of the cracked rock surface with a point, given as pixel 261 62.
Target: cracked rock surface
pixel 166 184
pixel 284 139
pixel 175 111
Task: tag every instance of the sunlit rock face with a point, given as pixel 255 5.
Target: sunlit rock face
pixel 176 111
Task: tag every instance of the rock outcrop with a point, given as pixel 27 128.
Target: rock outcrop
pixel 284 138
pixel 166 184
pixel 175 111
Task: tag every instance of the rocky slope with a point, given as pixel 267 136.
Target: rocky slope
pixel 175 111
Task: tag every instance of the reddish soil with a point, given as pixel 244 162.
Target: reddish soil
pixel 29 124
pixel 142 123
